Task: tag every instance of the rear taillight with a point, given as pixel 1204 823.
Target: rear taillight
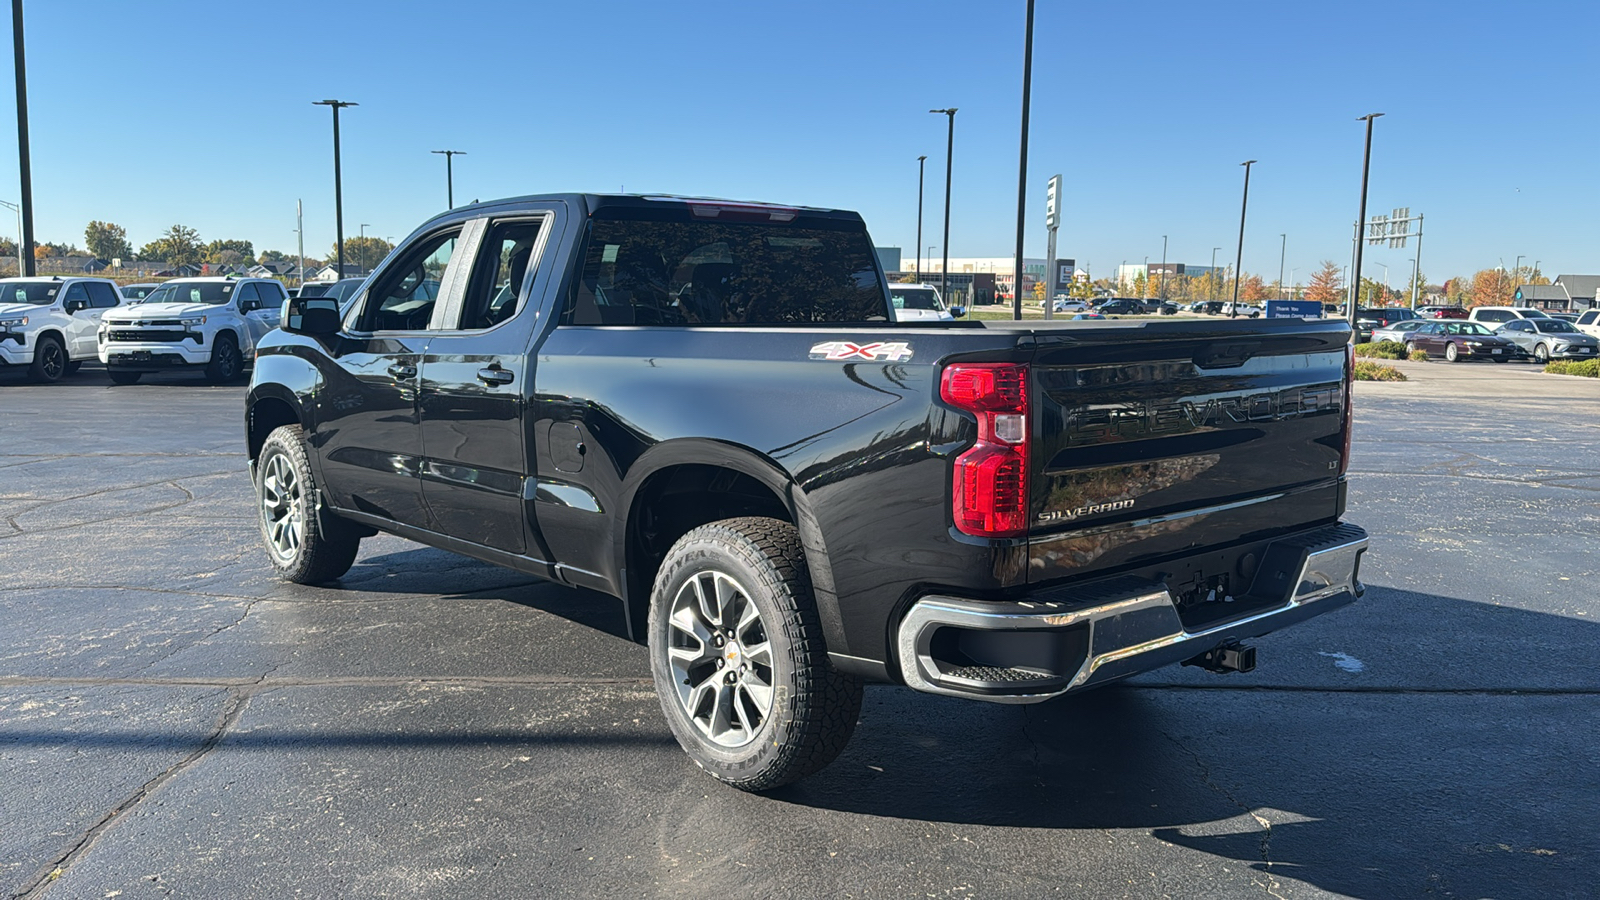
pixel 990 486
pixel 1349 408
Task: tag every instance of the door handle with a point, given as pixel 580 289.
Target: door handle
pixel 403 371
pixel 496 375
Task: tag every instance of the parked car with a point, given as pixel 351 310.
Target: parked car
pixel 920 303
pixel 1398 331
pixel 135 293
pixel 1549 339
pixel 1245 310
pixel 1122 306
pixel 1441 312
pixel 1491 316
pixel 1087 315
pixel 806 500
pixel 1067 305
pixel 1379 317
pixel 208 322
pixel 1457 341
pixel 49 324
pixel 1565 317
pixel 1589 322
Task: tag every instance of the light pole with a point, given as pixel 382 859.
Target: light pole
pixel 363 250
pixel 449 174
pixel 1282 252
pixel 338 186
pixel 1022 171
pixel 1213 273
pixel 19 232
pixel 1361 218
pixel 24 166
pixel 922 164
pixel 1144 292
pixel 1161 286
pixel 1516 270
pixel 949 152
pixel 1238 266
pixel 1293 290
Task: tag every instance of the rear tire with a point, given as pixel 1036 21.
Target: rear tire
pixel 297 546
pixel 226 364
pixel 49 361
pixel 123 376
pixel 738 657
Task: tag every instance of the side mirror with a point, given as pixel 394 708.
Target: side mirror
pixel 958 311
pixel 74 306
pixel 311 316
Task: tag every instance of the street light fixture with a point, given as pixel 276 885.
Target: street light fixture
pixel 449 174
pixel 944 269
pixel 1238 268
pixel 24 166
pixel 1361 218
pixel 338 186
pixel 1022 177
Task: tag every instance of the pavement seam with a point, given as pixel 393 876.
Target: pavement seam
pixel 52 872
pixel 1266 825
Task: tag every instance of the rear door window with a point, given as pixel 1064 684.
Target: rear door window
pixel 495 289
pixel 101 296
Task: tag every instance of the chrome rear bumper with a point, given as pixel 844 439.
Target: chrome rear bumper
pixel 1085 636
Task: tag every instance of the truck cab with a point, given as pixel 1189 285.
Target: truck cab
pixel 48 325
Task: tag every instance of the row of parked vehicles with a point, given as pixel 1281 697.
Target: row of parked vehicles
pixel 1497 333
pixel 51 326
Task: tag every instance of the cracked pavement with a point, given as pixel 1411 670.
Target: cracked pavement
pixel 175 722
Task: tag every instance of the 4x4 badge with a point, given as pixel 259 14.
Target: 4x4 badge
pixel 895 351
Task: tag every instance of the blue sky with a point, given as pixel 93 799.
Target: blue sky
pixel 200 112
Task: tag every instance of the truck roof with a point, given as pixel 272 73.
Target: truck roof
pixel 593 202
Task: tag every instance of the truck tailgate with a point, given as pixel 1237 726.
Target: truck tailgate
pixel 1148 440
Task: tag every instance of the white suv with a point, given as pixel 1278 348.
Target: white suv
pixel 48 324
pixel 1491 316
pixel 210 322
pixel 1589 322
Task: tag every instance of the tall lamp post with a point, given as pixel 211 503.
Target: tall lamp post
pixel 338 185
pixel 1361 218
pixel 949 152
pixel 363 256
pixel 1282 252
pixel 1238 265
pixel 1022 171
pixel 922 165
pixel 449 174
pixel 1213 273
pixel 1161 286
pixel 24 166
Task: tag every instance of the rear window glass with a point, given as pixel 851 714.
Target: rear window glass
pixel 914 298
pixel 666 268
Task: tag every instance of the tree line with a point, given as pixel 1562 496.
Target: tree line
pixel 1486 287
pixel 182 245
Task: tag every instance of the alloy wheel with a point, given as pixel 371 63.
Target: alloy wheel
pixel 721 659
pixel 53 360
pixel 281 509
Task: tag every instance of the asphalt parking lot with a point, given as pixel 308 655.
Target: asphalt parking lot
pixel 174 722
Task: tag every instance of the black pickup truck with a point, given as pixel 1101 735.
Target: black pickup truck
pixel 706 410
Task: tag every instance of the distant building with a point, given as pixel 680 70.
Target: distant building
pixel 888 258
pixel 1542 296
pixel 1581 288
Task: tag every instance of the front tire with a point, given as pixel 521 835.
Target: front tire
pixel 123 376
pixel 298 548
pixel 738 657
pixel 49 361
pixel 1541 353
pixel 226 364
pixel 1451 353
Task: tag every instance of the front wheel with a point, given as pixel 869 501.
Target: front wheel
pixel 227 364
pixel 1542 354
pixel 299 550
pixel 49 361
pixel 1451 353
pixel 738 657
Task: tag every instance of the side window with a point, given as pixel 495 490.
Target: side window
pixel 101 296
pixel 493 292
pixel 246 294
pixel 403 300
pixel 1588 317
pixel 75 291
pixel 271 293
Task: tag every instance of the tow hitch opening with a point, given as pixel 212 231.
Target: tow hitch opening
pixel 1233 657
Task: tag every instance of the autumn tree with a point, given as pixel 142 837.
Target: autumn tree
pixel 180 245
pixel 1327 284
pixel 1252 289
pixel 107 240
pixel 1491 287
pixel 364 252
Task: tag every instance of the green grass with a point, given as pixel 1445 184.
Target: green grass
pixel 1367 370
pixel 1382 350
pixel 1585 368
